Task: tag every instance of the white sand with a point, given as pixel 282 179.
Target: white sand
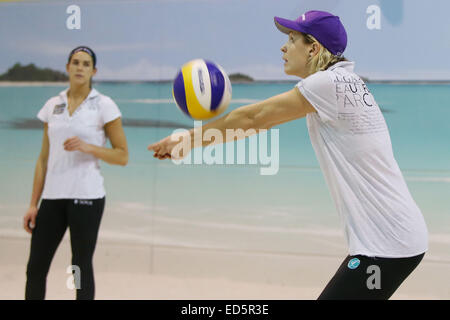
pixel 137 271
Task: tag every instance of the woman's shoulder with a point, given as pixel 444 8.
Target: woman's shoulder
pixel 101 99
pixel 55 100
pixel 105 104
pixel 320 80
pixel 341 70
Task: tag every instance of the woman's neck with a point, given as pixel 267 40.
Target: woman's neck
pixel 78 92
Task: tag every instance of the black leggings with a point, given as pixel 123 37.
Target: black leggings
pixel 368 278
pixel 54 216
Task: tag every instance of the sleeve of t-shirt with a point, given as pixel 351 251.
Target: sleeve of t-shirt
pixel 110 110
pixel 45 112
pixel 320 91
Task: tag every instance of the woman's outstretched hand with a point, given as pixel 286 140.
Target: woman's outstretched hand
pixel 164 148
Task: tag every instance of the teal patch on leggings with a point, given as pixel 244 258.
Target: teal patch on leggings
pixel 354 263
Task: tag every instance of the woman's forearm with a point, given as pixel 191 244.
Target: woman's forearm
pixel 240 124
pixel 110 155
pixel 38 181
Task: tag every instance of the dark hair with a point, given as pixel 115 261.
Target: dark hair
pixel 88 50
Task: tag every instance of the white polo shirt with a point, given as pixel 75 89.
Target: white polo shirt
pixel 74 174
pixel 352 143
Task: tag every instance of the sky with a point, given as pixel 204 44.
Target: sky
pixel 151 40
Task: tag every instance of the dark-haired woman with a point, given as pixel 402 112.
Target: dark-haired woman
pixel 67 176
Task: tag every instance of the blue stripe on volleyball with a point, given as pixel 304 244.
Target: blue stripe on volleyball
pixel 179 93
pixel 217 84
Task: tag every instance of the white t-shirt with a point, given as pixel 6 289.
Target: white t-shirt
pixel 352 143
pixel 74 174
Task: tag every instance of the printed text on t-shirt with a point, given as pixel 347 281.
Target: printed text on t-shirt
pixel 357 107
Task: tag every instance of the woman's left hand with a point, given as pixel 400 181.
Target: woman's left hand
pixel 75 143
pixel 164 148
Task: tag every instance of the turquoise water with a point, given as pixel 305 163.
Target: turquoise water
pixel 148 196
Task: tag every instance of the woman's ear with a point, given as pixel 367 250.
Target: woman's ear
pixel 315 48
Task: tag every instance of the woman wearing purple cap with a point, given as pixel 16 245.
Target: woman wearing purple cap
pixel 385 230
pixel 67 177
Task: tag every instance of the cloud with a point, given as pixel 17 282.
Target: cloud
pixel 59 48
pixel 42 47
pixel 138 46
pixel 262 71
pixel 143 70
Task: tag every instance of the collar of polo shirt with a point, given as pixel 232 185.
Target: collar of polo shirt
pixel 92 94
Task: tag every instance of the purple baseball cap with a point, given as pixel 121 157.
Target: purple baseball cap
pixel 322 25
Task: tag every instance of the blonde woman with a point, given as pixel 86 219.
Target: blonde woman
pixel 383 226
pixel 67 177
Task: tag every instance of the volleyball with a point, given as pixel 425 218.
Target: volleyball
pixel 202 89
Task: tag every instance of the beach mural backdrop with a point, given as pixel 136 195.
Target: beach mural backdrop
pixel 140 46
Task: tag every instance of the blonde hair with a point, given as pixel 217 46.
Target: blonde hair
pixel 324 59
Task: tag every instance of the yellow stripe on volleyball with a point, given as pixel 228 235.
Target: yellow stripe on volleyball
pixel 195 109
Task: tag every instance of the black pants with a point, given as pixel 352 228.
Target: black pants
pixel 54 216
pixel 368 278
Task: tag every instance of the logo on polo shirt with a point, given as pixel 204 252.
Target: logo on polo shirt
pixel 92 106
pixel 59 108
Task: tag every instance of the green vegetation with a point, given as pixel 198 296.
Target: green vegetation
pixel 32 73
pixel 239 77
